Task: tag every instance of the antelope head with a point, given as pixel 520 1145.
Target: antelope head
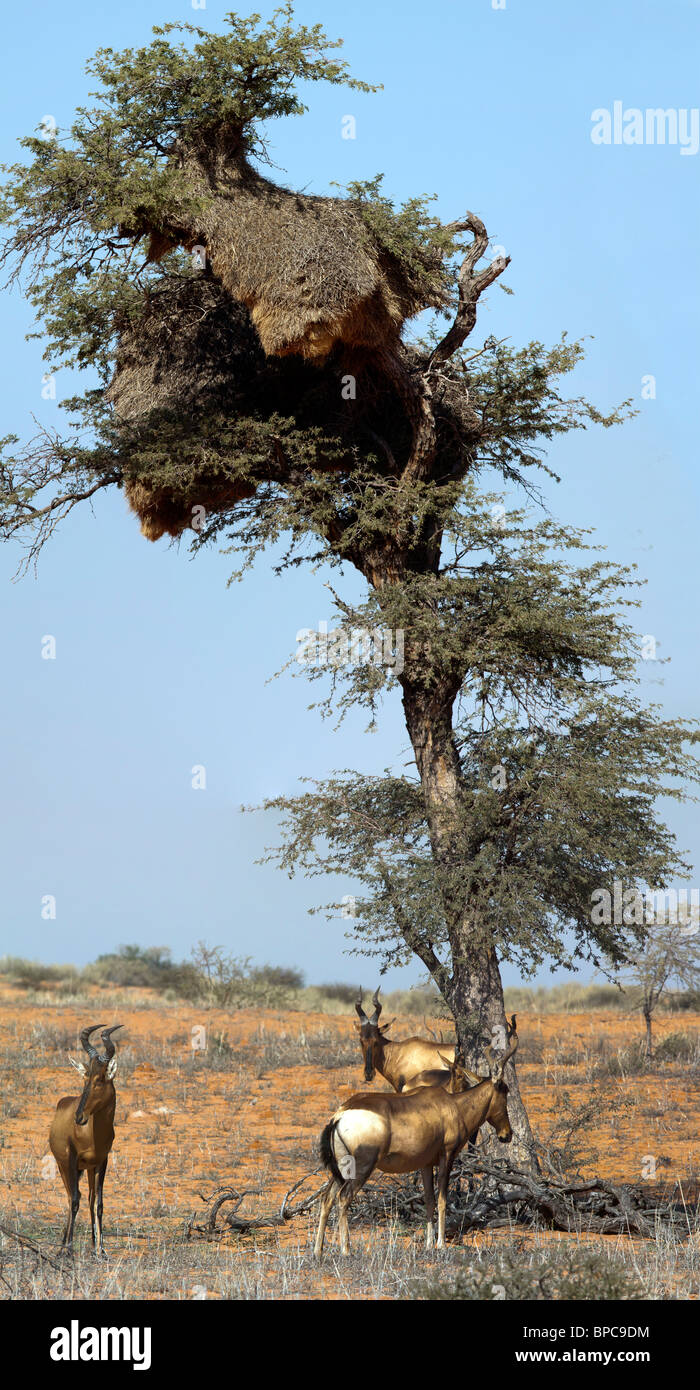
pixel 461 1078
pixel 371 1033
pixel 498 1110
pixel 98 1072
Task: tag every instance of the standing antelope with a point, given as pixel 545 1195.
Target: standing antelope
pixel 405 1133
pixel 398 1062
pixel 82 1132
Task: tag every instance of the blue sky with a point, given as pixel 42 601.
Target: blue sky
pixel 159 665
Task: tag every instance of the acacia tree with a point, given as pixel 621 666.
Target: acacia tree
pixel 669 955
pixel 256 380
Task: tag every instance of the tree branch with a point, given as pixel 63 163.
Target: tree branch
pixel 471 286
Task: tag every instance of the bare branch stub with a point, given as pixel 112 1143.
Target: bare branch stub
pixel 416 388
pixel 471 286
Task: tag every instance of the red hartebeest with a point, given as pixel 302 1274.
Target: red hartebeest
pixel 455 1077
pixel 82 1132
pixel 398 1062
pixel 406 1133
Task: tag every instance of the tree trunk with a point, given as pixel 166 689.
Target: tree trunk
pixel 479 1012
pixel 647 1020
pixel 474 992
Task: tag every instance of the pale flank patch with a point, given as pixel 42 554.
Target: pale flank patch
pixel 357 1128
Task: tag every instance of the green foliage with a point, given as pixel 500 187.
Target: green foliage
pixel 76 210
pixel 32 974
pixel 135 966
pixel 561 764
pixel 283 976
pixel 346 994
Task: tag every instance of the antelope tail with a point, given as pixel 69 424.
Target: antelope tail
pixel 328 1157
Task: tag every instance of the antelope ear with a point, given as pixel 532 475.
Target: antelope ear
pixel 111 1070
pixel 78 1066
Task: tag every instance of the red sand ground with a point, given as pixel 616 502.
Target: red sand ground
pixel 189 1128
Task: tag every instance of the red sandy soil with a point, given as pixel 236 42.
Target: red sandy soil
pixel 188 1128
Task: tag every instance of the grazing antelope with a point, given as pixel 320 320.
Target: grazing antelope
pixel 397 1062
pixel 82 1132
pixel 406 1133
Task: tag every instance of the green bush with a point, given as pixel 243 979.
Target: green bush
pixel 345 994
pixel 31 974
pixel 133 966
pixel 286 976
pixel 685 1000
pixel 678 1047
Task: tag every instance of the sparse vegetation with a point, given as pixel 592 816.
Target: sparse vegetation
pixel 565 1271
pixel 33 974
pixel 258 1095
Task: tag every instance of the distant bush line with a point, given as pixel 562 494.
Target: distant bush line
pixel 213 976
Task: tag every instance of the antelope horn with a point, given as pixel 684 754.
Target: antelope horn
pixel 377 1006
pixel 513 1039
pixel 109 1045
pixel 85 1039
pixel 497 1066
pixel 359 1009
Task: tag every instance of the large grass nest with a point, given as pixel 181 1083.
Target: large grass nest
pixel 295 296
pixel 309 269
pixel 205 416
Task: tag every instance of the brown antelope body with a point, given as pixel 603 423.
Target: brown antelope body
pixel 454 1077
pixel 397 1062
pixel 82 1133
pixel 406 1133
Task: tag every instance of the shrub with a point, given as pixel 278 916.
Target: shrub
pixel 685 1000
pixel 132 966
pixel 286 976
pixel 31 974
pixel 627 1061
pixel 563 1272
pixel 345 994
pixel 677 1047
pixel 228 982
